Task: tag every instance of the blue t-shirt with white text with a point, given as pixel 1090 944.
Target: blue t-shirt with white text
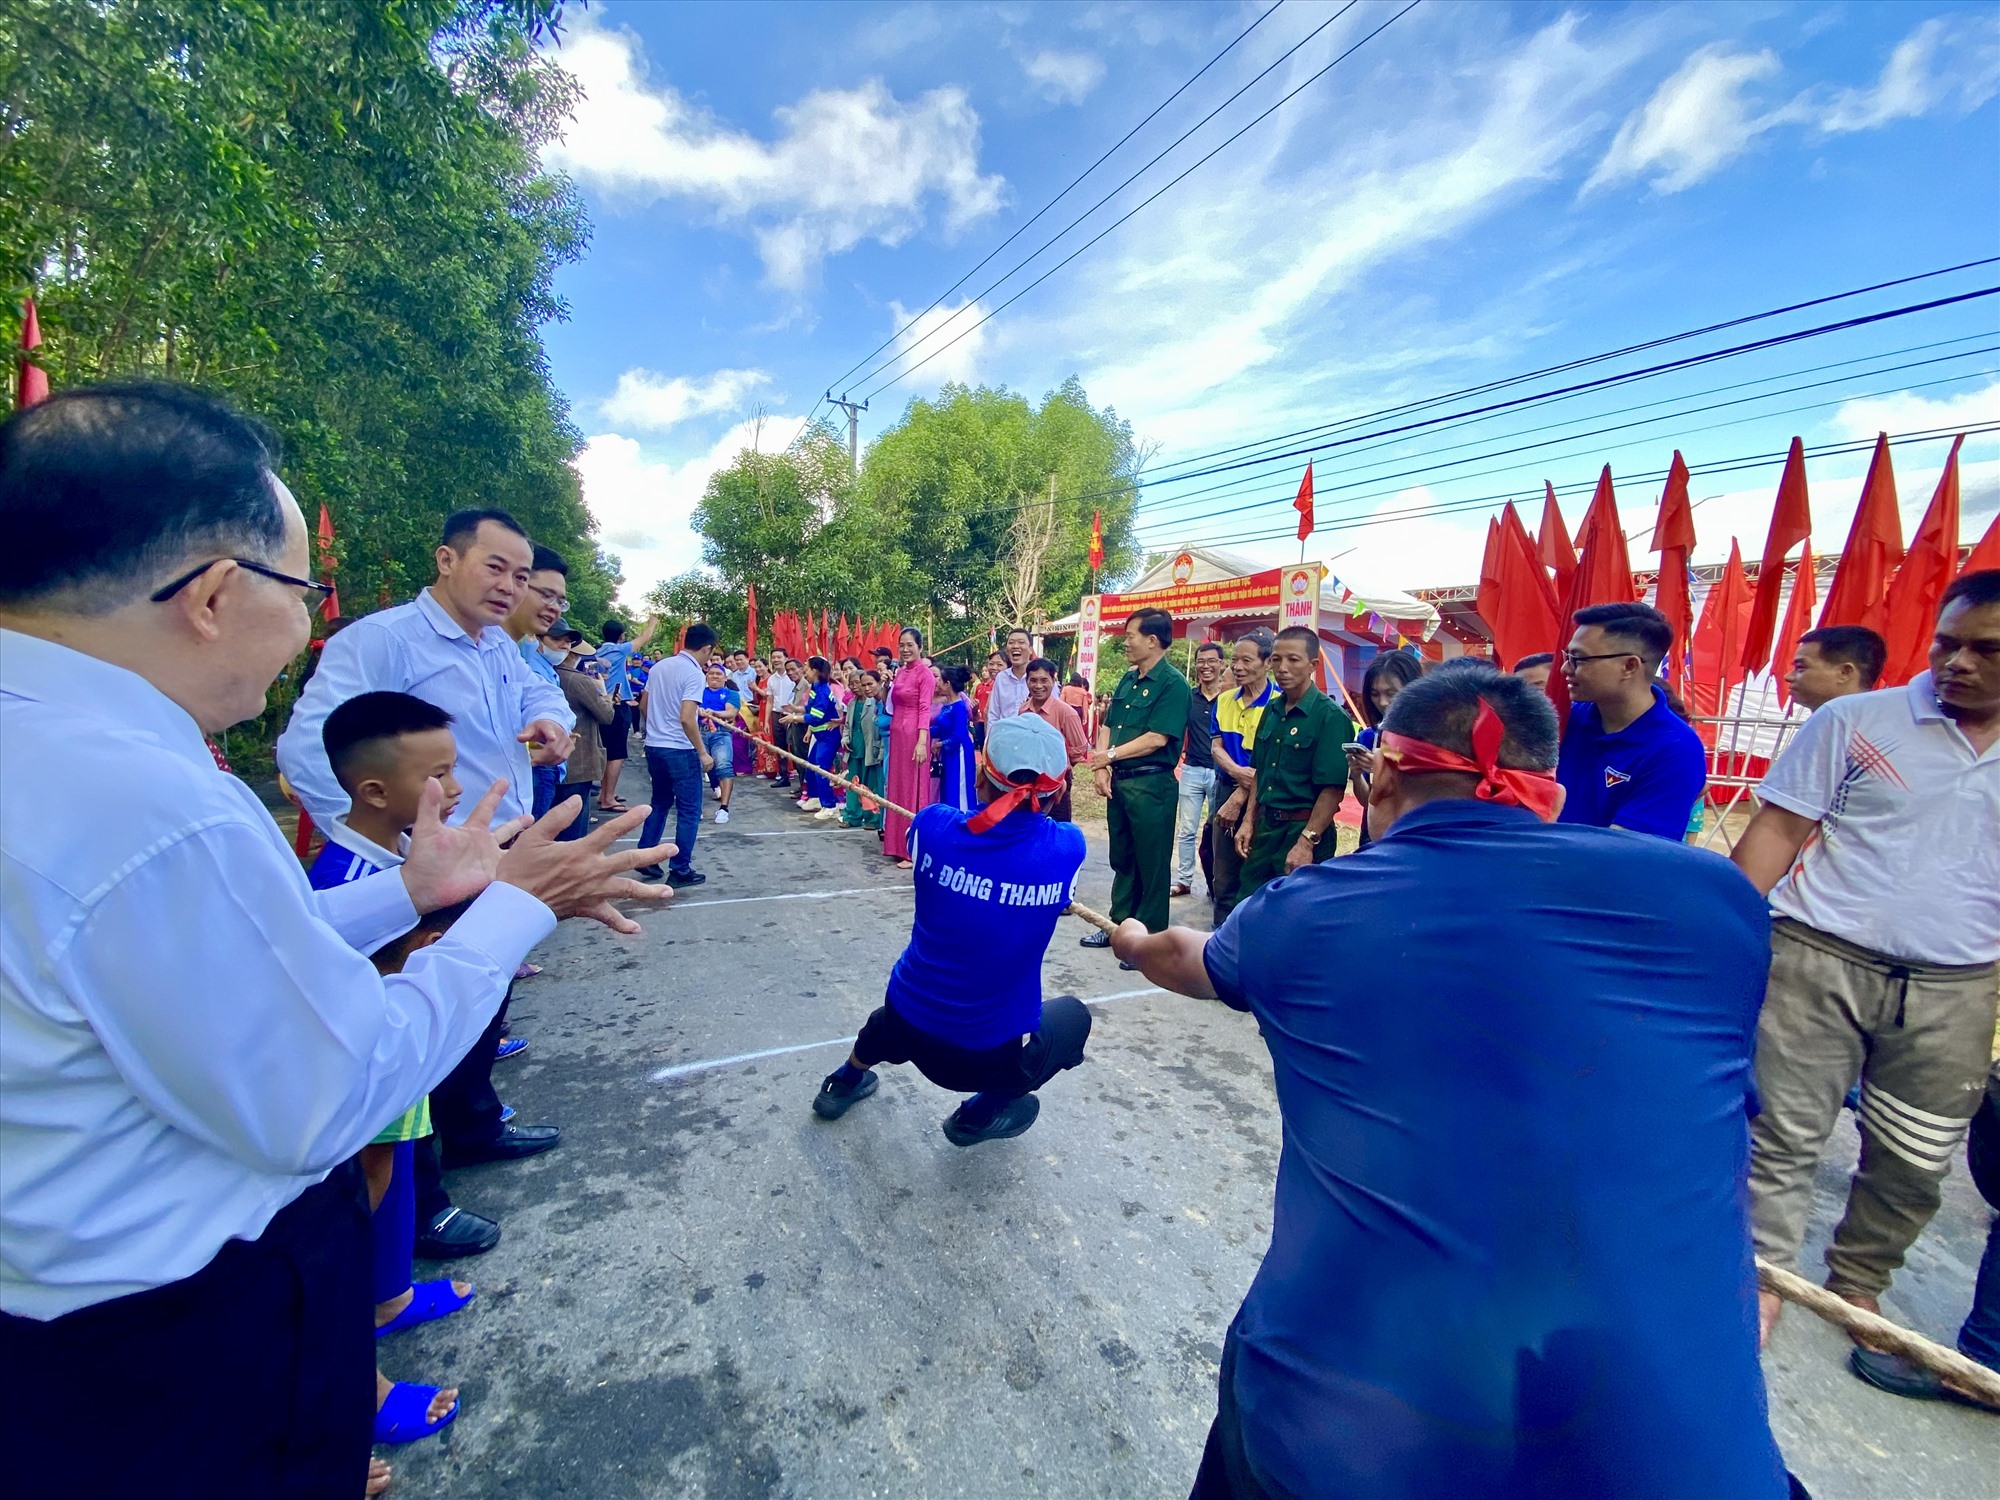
pixel 987 905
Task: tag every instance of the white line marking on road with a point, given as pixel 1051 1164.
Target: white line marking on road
pixel 857 890
pixel 740 833
pixel 685 1070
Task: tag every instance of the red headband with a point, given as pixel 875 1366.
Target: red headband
pixel 1534 790
pixel 1013 797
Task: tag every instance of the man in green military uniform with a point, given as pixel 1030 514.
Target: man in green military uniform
pixel 1137 747
pixel 1300 761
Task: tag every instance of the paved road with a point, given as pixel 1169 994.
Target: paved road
pixel 709 1293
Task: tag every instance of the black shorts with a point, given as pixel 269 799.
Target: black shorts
pixel 616 736
pixel 1011 1069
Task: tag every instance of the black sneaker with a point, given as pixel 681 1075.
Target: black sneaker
pixel 1097 937
pixel 678 878
pixel 832 1101
pixel 650 872
pixel 1013 1120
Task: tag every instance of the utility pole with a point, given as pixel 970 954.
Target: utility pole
pixel 854 410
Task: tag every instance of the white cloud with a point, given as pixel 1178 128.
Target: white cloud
pixel 1938 65
pixel 952 361
pixel 644 506
pixel 1064 77
pixel 847 165
pixel 1696 123
pixel 1908 412
pixel 655 402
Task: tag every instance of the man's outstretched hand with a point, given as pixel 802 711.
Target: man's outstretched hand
pixel 1170 959
pixel 447 862
pixel 582 877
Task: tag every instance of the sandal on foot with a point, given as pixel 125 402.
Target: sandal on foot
pixel 429 1301
pixel 404 1416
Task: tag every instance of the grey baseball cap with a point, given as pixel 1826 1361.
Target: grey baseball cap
pixel 1026 742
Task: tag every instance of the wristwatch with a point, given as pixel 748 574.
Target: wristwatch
pixel 1310 837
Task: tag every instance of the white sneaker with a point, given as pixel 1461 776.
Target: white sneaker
pixel 811 804
pixel 824 813
pixel 722 815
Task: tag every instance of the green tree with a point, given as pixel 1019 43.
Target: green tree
pixel 331 210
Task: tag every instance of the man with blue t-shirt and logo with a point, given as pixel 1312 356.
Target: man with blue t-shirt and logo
pixel 1628 759
pixel 965 999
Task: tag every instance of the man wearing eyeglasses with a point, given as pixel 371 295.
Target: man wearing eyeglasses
pixel 1628 759
pixel 541 605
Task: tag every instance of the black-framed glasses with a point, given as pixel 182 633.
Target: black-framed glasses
pixel 1578 658
pixel 162 595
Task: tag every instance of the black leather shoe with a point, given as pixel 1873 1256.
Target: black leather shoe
pixel 1129 967
pixel 679 878
pixel 650 872
pixel 454 1234
pixel 511 1144
pixel 1095 938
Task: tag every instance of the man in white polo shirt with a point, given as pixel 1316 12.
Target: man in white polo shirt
pixel 1878 842
pixel 675 754
pixel 1010 687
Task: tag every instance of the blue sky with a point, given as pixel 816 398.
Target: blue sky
pixel 1477 191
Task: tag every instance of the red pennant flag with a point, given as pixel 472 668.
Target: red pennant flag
pixel 1096 540
pixel 1486 598
pixel 1874 547
pixel 1673 539
pixel 681 640
pixel 1718 639
pixel 330 607
pixel 1516 600
pixel 1986 553
pixel 1603 575
pixel 1798 619
pixel 1791 523
pixel 750 626
pixel 1303 504
pixel 1920 582
pixel 1553 542
pixel 34 385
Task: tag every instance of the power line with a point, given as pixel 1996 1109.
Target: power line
pixel 1123 218
pixel 1573 436
pixel 1074 183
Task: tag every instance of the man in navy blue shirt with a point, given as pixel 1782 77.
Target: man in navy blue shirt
pixel 965 999
pixel 1509 1254
pixel 1628 760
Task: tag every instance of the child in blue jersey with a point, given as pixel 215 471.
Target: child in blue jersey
pixel 821 721
pixel 964 1001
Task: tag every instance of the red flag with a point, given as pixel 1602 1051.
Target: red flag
pixel 1791 523
pixel 750 627
pixel 1603 575
pixel 1553 543
pixel 1718 639
pixel 1922 579
pixel 1874 548
pixel 1096 540
pixel 1986 553
pixel 34 384
pixel 844 640
pixel 681 640
pixel 1673 539
pixel 1798 619
pixel 1303 504
pixel 331 606
pixel 1516 600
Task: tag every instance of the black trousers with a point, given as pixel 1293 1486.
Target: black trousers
pixel 1008 1071
pixel 255 1376
pixel 464 1108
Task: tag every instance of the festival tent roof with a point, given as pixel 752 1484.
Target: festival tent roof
pixel 1339 598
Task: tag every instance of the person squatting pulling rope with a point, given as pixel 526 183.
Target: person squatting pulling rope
pixel 970 1014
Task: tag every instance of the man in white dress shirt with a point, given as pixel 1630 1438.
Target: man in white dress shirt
pixel 192 1046
pixel 1010 687
pixel 450 647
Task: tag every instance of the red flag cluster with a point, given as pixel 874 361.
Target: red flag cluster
pixel 1529 587
pixel 823 634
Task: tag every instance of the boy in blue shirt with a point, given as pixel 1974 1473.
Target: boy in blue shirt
pixel 964 1001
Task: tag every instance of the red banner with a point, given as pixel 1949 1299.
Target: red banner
pixel 1253 593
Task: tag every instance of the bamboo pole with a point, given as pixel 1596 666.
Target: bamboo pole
pixel 1947 1364
pixel 1074 909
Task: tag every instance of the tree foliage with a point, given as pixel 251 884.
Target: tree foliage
pixel 949 522
pixel 330 210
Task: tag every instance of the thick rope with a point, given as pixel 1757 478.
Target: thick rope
pixel 1947 1364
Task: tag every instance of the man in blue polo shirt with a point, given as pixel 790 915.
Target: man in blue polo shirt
pixel 1468 1290
pixel 1628 760
pixel 965 999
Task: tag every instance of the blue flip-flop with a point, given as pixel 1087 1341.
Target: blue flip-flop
pixel 405 1416
pixel 429 1301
